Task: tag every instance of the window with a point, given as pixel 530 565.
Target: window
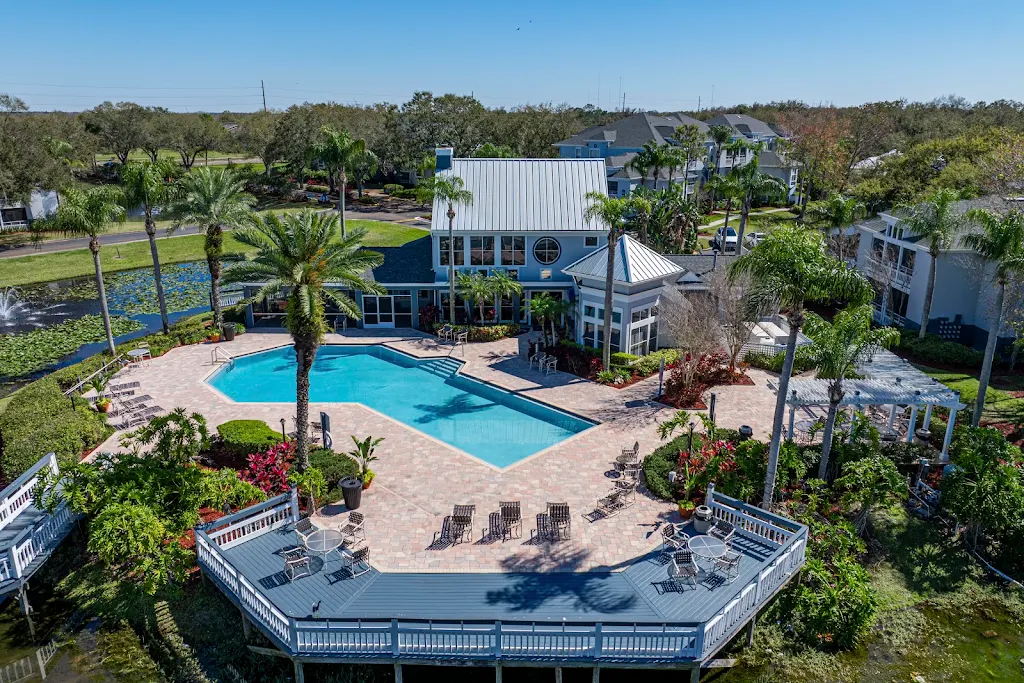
pixel 589 312
pixel 481 250
pixel 595 153
pixel 513 250
pixel 547 250
pixel 545 274
pixel 579 152
pixel 460 254
pixel 460 308
pixel 613 187
pixel 590 241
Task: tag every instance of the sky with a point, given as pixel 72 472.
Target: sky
pixel 660 55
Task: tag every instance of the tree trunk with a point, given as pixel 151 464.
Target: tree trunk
pixel 990 353
pixel 359 189
pixel 795 322
pixel 826 438
pixel 341 205
pixel 305 354
pixel 451 262
pixel 151 232
pixel 926 310
pixel 609 288
pixel 686 174
pixel 214 249
pixel 744 213
pixel 331 185
pixel 94 247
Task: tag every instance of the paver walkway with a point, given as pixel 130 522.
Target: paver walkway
pixel 419 479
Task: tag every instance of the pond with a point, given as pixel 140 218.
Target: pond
pixel 131 294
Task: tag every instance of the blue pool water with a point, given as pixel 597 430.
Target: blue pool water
pixel 491 424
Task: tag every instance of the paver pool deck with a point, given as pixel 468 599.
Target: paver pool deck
pixel 419 479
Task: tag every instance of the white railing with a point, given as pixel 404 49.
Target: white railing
pixel 215 356
pixel 18 495
pixel 38 540
pixel 886 317
pixel 257 520
pixel 898 275
pixel 761 525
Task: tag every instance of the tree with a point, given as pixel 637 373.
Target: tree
pixel 937 222
pixel 192 134
pixel 448 189
pixel 503 286
pixel 690 139
pixel 88 213
pixel 214 199
pixel 120 128
pixel 336 149
pixel 720 135
pixel 869 482
pixel 835 215
pixel 176 438
pixel 489 150
pixel 612 212
pixel 362 167
pixel 837 350
pixel 303 254
pixel 258 135
pixel 674 159
pixel 157 131
pixel 728 187
pixel 734 313
pixel 751 183
pixel 547 309
pixel 788 269
pixel 816 140
pixel 28 157
pixel 144 185
pixel 476 290
pixel 1001 242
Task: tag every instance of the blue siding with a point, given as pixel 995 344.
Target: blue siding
pixel 572 249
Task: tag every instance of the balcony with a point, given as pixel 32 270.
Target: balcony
pixel 887 317
pixel 889 273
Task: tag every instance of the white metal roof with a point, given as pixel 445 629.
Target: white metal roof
pixel 634 263
pixel 525 195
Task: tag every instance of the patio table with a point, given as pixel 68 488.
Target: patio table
pixel 324 541
pixel 706 547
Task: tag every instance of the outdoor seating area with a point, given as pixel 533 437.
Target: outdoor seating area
pixel 447 333
pixel 132 410
pixel 544 362
pixel 316 543
pixel 693 558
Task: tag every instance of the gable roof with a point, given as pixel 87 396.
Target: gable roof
pixel 746 125
pixel 699 265
pixel 634 263
pixel 409 263
pixel 523 195
pixel 633 131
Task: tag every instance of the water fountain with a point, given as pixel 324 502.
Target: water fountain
pixel 16 312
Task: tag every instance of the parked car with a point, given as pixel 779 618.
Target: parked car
pixel 725 239
pixel 752 239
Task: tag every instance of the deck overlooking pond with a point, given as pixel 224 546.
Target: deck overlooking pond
pixel 628 615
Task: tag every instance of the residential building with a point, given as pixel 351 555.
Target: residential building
pixel 751 129
pixel 897 262
pixel 16 215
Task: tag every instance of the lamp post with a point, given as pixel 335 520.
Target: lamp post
pixel 284 435
pixel 689 443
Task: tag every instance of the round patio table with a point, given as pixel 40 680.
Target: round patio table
pixel 138 354
pixel 708 547
pixel 324 541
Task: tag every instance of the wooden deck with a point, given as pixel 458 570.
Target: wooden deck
pixel 630 614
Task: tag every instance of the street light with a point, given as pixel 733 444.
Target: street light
pixel 284 436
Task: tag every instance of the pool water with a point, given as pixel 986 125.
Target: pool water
pixel 496 426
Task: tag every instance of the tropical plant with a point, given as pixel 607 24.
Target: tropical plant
pixel 690 139
pixel 1001 241
pixel 680 420
pixel 448 189
pixel 790 268
pixel 176 438
pixel 504 285
pixel 89 213
pixel 720 136
pixel 612 212
pixel 310 483
pixel 838 348
pixel 649 157
pixel 547 309
pixel 336 149
pixel 750 184
pixel 936 221
pixel 268 470
pixel 213 199
pixel 838 211
pixel 362 166
pixel 145 185
pixel 477 290
pixel 303 253
pixel 729 188
pixel 675 159
pixel 868 483
pixel 363 454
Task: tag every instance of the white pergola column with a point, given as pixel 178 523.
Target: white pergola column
pixel 892 417
pixel 792 420
pixel 927 416
pixel 912 423
pixel 944 457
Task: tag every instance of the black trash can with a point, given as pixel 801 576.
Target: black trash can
pixel 746 432
pixel 228 331
pixel 352 490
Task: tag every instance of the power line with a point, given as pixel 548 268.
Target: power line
pixel 130 87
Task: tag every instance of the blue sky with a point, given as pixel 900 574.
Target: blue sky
pixel 211 55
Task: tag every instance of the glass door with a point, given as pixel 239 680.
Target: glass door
pixel 378 311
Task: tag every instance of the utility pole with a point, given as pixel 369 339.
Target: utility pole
pixel 264 96
pixel 698 104
pixel 623 102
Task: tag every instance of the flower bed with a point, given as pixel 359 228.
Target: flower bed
pixel 483 333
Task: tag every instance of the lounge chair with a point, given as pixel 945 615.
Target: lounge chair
pixel 512 518
pixel 353 528
pixel 357 562
pixel 297 567
pixel 611 505
pixel 722 530
pixel 728 565
pixel 561 520
pixel 682 569
pixel 462 522
pixel 122 386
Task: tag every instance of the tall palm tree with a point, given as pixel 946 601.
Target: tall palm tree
pixel 836 214
pixel 503 286
pixel 720 135
pixel 145 184
pixel 727 187
pixel 213 198
pixel 937 222
pixel 734 148
pixel 448 189
pixel 335 149
pixel 362 167
pixel 304 254
pixel 838 348
pixel 544 308
pixel 476 290
pixel 1000 241
pixel 612 212
pixel 88 213
pixel 674 158
pixel 648 158
pixel 751 183
pixel 790 268
pixel 691 145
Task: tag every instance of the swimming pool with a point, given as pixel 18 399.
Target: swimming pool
pixel 492 424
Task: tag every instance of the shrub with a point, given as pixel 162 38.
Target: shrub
pixel 937 351
pixel 649 364
pixel 624 359
pixel 334 466
pixel 906 456
pixel 580 360
pixel 663 460
pixel 245 437
pixel 773 363
pixel 268 470
pixel 485 333
pixel 317 188
pixel 368 200
pixel 406 194
pixel 392 188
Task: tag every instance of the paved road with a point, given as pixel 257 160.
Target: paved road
pixel 53 246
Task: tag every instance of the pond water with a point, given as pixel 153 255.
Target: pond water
pixel 130 293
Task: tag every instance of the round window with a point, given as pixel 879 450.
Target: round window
pixel 546 250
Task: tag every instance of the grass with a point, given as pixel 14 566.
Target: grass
pixel 36 268
pixel 139 155
pixel 1000 405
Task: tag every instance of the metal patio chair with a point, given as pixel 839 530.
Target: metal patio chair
pixel 512 516
pixel 353 528
pixel 561 520
pixel 682 570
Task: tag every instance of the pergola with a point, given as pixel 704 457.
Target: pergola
pixel 887 380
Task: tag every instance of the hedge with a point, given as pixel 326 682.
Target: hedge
pixel 773 363
pixel 663 460
pixel 333 465
pixel 485 333
pixel 245 437
pixel 933 350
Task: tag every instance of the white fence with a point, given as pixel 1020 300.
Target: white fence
pixel 32 665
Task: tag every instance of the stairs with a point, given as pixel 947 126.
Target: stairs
pixel 442 367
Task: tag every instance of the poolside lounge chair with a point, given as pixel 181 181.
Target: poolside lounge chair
pixel 512 518
pixel 122 386
pixel 297 567
pixel 461 339
pixel 561 520
pixel 462 522
pixel 722 530
pixel 728 566
pixel 682 569
pixel 353 527
pixel 356 562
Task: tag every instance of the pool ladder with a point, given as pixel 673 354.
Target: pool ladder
pixel 219 355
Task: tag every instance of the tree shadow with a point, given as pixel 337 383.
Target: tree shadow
pixel 929 560
pixel 456 405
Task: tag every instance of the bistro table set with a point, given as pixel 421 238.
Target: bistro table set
pixel 349 542
pixel 708 557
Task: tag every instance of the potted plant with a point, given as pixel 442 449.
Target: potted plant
pixel 103 404
pixel 686 509
pixel 352 487
pixel 215 337
pixel 368 478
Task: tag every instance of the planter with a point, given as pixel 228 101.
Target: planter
pixel 352 490
pixel 685 512
pixel 103 407
pixel 703 520
pixel 228 331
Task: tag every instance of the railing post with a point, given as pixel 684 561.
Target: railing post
pixel 598 640
pixel 394 637
pixel 294 504
pixel 293 628
pixel 709 498
pixel 698 643
pixel 497 639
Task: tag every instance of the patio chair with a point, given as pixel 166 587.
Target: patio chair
pixel 722 530
pixel 357 562
pixel 674 541
pixel 297 567
pixel 293 552
pixel 512 517
pixel 550 365
pixel 444 333
pixel 539 359
pixel 544 530
pixel 627 490
pixel 122 386
pixel 561 520
pixel 354 527
pixel 462 522
pixel 633 451
pixel 611 505
pixel 728 566
pixel 682 569
pixel 304 528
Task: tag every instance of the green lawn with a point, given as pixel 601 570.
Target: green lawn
pixel 139 155
pixel 1000 404
pixel 36 268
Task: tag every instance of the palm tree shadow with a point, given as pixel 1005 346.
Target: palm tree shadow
pixel 456 405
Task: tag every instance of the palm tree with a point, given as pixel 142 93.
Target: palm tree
pixel 691 145
pixel 89 213
pixel 213 198
pixel 835 214
pixel 476 290
pixel 936 221
pixel 727 187
pixel 1001 241
pixel 547 309
pixel 363 166
pixel 649 157
pixel 837 350
pixel 303 254
pixel 788 269
pixel 611 211
pixel 503 286
pixel 720 135
pixel 335 149
pixel 674 159
pixel 145 185
pixel 449 189
pixel 751 183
